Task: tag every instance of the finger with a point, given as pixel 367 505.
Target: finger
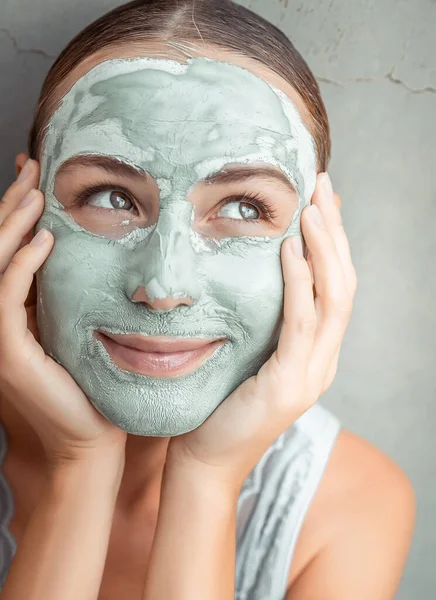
pixel 333 366
pixel 337 202
pixel 325 199
pixel 299 317
pixel 27 179
pixel 17 225
pixel 31 298
pixel 332 302
pixel 15 285
pixel 331 371
pixel 309 262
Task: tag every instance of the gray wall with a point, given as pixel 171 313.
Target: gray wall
pixel 376 64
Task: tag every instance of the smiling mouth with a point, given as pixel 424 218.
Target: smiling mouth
pixel 158 356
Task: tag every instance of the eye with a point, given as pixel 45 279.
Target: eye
pixel 239 210
pixel 110 199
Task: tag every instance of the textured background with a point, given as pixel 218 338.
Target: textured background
pixel 376 63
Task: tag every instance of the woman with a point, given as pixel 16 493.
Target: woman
pixel 98 511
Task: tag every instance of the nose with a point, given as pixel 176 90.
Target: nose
pixel 167 303
pixel 162 274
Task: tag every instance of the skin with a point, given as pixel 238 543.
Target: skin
pixel 59 446
pixel 183 237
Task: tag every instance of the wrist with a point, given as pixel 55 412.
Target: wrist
pixel 209 481
pixel 90 469
pixel 83 455
pixel 198 500
pixel 194 545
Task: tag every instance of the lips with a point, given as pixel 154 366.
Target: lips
pixel 159 356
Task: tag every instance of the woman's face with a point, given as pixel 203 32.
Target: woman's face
pixel 170 187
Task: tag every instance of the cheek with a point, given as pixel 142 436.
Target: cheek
pixel 250 286
pixel 81 274
pixel 86 276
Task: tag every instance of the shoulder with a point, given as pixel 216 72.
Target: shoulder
pixel 357 531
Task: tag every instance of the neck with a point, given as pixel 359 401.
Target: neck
pixel 145 459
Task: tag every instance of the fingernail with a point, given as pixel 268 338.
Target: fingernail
pixel 297 246
pixel 327 187
pixel 25 171
pixel 28 199
pixel 39 238
pixel 315 215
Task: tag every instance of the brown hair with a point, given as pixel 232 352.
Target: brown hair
pixel 219 23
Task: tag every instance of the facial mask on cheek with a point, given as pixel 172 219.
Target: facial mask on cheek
pixel 180 123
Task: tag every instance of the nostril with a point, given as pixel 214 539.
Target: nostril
pixel 186 301
pixel 170 303
pixel 140 295
pixel 167 303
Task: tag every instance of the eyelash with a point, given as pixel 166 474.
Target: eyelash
pixel 264 206
pixel 257 200
pixel 83 194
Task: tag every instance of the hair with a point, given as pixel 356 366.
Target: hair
pixel 218 23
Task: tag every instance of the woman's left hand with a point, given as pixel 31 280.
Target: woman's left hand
pixel 318 300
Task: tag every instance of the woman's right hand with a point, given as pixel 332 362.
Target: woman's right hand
pixel 39 388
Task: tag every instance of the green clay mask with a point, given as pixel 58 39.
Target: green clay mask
pixel 181 124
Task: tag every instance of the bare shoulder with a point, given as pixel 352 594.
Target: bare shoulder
pixel 357 532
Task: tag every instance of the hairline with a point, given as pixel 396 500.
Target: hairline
pixel 63 87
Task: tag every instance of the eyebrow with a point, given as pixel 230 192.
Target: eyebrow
pixel 235 174
pixel 106 163
pixel 241 173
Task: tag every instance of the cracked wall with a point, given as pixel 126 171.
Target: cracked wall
pixel 375 62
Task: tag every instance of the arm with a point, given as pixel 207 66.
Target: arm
pixel 193 554
pixel 194 548
pixel 64 547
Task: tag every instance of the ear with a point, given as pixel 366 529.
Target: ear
pixel 20 161
pixel 337 200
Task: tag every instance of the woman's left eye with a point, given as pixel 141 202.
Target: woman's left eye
pixel 239 210
pixel 110 199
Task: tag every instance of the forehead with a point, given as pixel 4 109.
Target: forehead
pixel 201 109
pixel 159 94
pixel 187 113
pixel 180 52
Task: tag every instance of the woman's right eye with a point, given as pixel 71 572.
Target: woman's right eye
pixel 110 199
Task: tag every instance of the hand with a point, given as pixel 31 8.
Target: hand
pixel 233 439
pixel 39 388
